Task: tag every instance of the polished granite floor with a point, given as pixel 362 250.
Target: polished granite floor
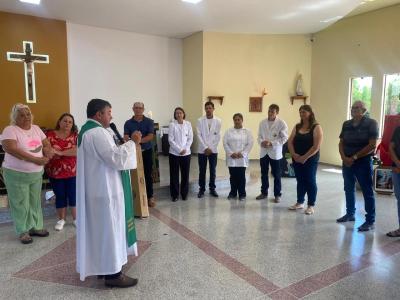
pixel 214 248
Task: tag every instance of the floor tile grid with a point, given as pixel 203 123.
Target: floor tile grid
pixel 296 290
pixel 48 268
pixel 253 278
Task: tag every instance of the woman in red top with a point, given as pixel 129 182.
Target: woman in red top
pixel 61 169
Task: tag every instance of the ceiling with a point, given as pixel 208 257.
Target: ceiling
pixel 372 5
pixel 174 18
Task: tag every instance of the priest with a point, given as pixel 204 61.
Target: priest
pixel 106 232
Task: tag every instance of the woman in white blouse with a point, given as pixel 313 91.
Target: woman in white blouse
pixel 180 137
pixel 238 142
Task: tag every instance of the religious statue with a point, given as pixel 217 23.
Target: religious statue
pixel 28 58
pixel 299 88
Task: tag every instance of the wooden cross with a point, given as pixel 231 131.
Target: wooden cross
pixel 29 59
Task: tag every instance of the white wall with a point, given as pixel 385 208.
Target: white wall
pixel 122 67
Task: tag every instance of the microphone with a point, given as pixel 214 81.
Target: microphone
pixel 118 135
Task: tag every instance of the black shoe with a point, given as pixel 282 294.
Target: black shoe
pixel 366 226
pixel 230 197
pixel 346 218
pixel 38 232
pixel 261 196
pixel 242 198
pixel 214 193
pixel 174 199
pixel 184 198
pixel 122 281
pixel 200 194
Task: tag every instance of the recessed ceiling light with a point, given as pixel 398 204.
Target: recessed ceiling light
pixel 192 1
pixel 31 1
pixel 332 19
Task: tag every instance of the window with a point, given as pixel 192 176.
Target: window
pixel 392 94
pixel 391 97
pixel 360 90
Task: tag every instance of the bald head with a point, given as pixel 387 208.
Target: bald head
pixel 138 110
pixel 360 105
pixel 138 104
pixel 358 110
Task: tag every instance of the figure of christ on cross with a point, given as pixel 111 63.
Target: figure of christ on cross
pixel 29 58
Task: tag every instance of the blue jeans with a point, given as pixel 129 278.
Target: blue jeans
pixel 396 184
pixel 64 189
pixel 276 172
pixel 361 170
pixel 306 177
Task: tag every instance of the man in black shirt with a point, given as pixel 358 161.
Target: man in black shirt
pixel 356 147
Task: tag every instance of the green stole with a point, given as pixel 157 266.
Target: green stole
pixel 126 184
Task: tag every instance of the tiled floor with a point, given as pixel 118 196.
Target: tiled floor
pixel 225 249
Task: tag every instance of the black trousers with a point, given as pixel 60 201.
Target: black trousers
pixel 113 276
pixel 148 170
pixel 177 163
pixel 212 159
pixel 276 172
pixel 238 181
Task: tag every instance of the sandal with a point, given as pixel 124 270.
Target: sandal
pixel 25 238
pixel 38 232
pixel 394 233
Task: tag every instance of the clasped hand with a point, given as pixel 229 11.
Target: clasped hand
pixel 136 136
pixel 237 155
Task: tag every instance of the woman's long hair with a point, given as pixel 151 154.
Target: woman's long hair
pixel 74 128
pixel 311 119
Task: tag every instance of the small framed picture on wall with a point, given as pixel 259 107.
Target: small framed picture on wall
pixel 255 104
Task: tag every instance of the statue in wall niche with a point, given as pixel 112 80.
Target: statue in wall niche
pixel 299 86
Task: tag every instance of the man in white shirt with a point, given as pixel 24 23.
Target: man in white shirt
pixel 208 133
pixel 272 134
pixel 105 227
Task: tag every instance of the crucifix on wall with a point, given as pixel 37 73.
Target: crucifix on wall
pixel 29 59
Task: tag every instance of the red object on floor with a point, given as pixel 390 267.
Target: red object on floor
pixel 391 122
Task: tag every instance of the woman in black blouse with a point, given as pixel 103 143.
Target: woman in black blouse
pixel 304 143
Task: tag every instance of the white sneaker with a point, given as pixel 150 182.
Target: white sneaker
pixel 59 225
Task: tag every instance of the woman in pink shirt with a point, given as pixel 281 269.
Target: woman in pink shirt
pixel 26 152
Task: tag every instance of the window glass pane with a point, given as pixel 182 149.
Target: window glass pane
pixel 361 90
pixel 392 94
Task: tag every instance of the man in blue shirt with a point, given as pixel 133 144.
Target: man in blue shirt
pixel 146 127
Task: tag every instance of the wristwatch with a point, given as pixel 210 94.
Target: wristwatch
pixel 355 156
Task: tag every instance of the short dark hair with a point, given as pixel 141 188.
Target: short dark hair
pixel 181 109
pixel 96 105
pixel 274 107
pixel 209 103
pixel 238 115
pixel 74 127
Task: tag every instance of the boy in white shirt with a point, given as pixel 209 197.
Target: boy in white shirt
pixel 208 133
pixel 272 134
